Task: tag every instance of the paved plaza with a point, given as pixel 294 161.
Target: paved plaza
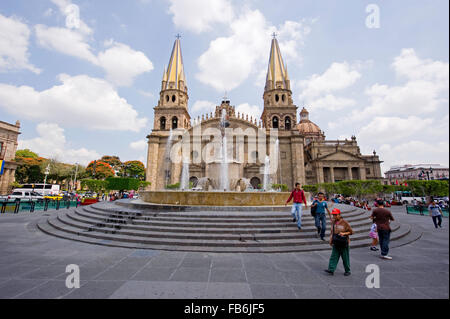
pixel 33 265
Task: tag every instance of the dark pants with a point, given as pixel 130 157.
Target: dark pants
pixel 321 223
pixel 336 254
pixel 437 220
pixel 384 237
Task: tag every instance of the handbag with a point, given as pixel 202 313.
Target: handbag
pixel 313 211
pixel 339 241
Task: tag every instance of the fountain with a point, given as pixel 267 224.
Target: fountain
pixel 267 184
pixel 184 184
pixel 167 167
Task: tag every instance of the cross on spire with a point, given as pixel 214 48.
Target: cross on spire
pixel 178 36
pixel 274 35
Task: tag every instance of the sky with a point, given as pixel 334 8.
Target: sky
pixel 84 76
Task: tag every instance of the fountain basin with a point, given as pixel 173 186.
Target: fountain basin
pixel 216 198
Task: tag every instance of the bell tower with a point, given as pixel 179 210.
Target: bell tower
pixel 172 109
pixel 279 111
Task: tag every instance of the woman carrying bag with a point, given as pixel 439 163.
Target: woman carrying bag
pixel 339 240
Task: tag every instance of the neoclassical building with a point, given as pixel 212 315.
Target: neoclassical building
pixel 8 147
pixel 297 146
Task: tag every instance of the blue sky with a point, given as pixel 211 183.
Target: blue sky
pixel 83 76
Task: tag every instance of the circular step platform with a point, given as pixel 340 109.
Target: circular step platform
pixel 132 225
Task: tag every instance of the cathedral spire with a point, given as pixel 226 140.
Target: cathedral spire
pixel 277 77
pixel 175 71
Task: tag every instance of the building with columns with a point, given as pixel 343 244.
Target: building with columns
pixel 400 173
pixel 300 149
pixel 8 147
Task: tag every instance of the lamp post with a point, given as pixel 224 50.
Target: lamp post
pixel 47 171
pixel 76 172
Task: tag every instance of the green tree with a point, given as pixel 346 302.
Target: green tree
pixel 114 161
pixel 314 189
pixel 102 170
pixel 429 188
pixel 135 169
pixel 94 185
pixel 26 153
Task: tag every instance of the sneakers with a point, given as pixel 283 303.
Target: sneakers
pixel 373 248
pixel 323 238
pixel 347 273
pixel 329 272
pixel 299 228
pixel 294 220
pixel 386 257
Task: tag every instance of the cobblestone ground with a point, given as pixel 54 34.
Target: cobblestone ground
pixel 33 265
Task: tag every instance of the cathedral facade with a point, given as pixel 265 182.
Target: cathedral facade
pixel 295 148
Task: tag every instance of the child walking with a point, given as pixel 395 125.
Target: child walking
pixel 374 235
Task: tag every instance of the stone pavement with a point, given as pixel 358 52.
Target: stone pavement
pixel 33 265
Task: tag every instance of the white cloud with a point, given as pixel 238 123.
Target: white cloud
pixel 140 145
pixel 393 129
pixel 229 61
pixel 79 101
pixel 251 110
pixel 330 103
pixel 14 36
pixel 146 94
pixel 51 143
pixel 122 64
pixel 200 15
pixel 414 152
pixel 65 41
pixel 203 107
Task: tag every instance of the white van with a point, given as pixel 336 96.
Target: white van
pixel 24 194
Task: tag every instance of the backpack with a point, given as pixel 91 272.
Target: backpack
pixel 313 211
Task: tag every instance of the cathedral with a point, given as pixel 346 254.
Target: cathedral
pixel 301 152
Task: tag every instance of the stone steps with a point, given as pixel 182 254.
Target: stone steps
pixel 215 231
pixel 200 233
pixel 66 233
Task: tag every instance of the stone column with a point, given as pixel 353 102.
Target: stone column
pixel 362 172
pixel 298 163
pixel 320 178
pixel 332 173
pixel 350 174
pixel 152 162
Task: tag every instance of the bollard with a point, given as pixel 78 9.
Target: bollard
pixel 68 204
pixel 57 204
pixel 32 204
pixel 45 204
pixel 4 207
pixel 16 208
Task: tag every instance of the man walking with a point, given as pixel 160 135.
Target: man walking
pixel 320 218
pixel 382 217
pixel 339 240
pixel 436 213
pixel 299 197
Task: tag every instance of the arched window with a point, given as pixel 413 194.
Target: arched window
pixel 275 123
pixel 162 123
pixel 277 97
pixel 283 97
pixel 173 98
pixel 287 123
pixel 174 122
pixel 167 98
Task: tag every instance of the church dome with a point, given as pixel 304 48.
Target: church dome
pixel 306 127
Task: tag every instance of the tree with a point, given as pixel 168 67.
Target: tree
pixel 102 170
pixel 360 189
pixel 114 161
pixel 94 185
pixel 429 188
pixel 26 153
pixel 311 188
pixel 121 184
pixel 135 169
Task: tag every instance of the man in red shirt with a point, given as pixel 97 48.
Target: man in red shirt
pixel 299 197
pixel 382 217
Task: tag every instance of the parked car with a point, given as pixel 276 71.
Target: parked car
pixel 24 194
pixel 54 197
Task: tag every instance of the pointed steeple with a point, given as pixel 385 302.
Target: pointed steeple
pixel 174 76
pixel 276 74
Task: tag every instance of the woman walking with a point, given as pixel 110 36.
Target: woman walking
pixel 339 240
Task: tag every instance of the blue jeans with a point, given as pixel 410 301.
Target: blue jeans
pixel 321 222
pixel 384 237
pixel 297 213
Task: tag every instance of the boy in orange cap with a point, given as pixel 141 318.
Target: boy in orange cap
pixel 339 240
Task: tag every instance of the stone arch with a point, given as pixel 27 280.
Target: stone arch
pixel 174 98
pixel 283 97
pixel 162 123
pixel 287 123
pixel 167 98
pixel 174 122
pixel 193 180
pixel 255 182
pixel 275 122
pixel 277 98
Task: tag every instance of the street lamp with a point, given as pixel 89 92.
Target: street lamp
pixel 47 171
